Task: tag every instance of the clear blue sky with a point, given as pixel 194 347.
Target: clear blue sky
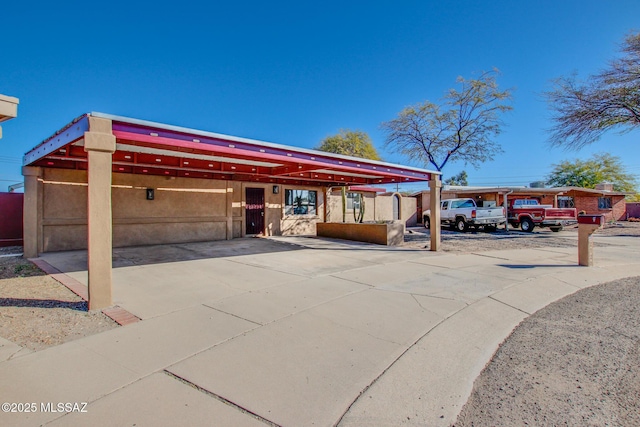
pixel 295 72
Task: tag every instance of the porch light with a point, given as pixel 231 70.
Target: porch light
pixel 276 189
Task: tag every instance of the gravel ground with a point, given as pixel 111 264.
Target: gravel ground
pixel 477 241
pixel 575 362
pixel 37 312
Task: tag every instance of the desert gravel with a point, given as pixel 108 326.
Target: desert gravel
pixel 575 362
pixel 37 312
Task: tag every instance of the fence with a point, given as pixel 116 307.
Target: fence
pixel 11 205
pixel 633 210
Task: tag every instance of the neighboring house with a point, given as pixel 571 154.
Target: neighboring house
pixel 602 200
pixel 380 205
pixel 599 201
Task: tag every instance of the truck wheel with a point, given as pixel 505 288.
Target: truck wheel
pixel 556 229
pixel 461 225
pixel 527 225
pixel 427 222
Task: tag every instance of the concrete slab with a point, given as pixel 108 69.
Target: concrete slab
pixel 302 370
pixel 441 307
pixel 158 400
pixel 384 274
pixel 455 284
pixel 306 262
pixel 583 277
pixel 153 344
pixel 66 373
pixel 267 305
pixel 430 383
pixel 150 291
pixel 391 316
pixel 532 256
pixel 534 294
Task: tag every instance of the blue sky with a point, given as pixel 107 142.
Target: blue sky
pixel 295 72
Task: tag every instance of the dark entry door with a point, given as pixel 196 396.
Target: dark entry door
pixel 254 209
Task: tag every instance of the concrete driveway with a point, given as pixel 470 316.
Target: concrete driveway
pixel 296 332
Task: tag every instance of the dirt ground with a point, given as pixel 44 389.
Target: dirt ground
pixel 575 362
pixel 37 312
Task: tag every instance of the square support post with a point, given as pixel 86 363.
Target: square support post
pixel 100 144
pixel 32 219
pixel 229 209
pixel 434 205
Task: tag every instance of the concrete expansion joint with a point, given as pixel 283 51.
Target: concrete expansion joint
pixel 350 280
pixel 509 305
pixel 233 315
pixel 272 269
pixel 221 399
pixel 489 256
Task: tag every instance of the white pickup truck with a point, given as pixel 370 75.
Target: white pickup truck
pixel 464 213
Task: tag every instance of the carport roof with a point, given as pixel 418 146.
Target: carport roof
pixel 150 148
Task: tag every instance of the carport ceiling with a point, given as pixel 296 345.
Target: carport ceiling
pixel 157 149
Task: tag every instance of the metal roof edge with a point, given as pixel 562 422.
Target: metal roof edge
pixel 254 141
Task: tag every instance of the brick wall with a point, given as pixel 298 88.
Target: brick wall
pixel 589 204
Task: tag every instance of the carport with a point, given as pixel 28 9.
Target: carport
pixel 103 178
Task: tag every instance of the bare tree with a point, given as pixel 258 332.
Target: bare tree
pixel 609 100
pixel 462 127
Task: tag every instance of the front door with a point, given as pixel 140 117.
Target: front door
pixel 254 209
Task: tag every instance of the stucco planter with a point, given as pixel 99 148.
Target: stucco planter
pixel 390 234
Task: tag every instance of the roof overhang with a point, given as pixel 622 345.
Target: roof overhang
pixel 8 107
pixel 150 148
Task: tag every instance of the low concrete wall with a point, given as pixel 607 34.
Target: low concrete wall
pixel 390 234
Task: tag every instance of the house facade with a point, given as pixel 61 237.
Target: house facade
pixel 602 200
pixel 106 181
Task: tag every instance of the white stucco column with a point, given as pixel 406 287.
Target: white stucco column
pixel 434 205
pixel 100 144
pixel 32 216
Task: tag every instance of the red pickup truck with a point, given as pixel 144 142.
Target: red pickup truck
pixel 529 213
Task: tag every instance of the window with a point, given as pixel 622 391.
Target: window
pixel 566 202
pixel 445 205
pixel 604 202
pixel 353 201
pixel 300 202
